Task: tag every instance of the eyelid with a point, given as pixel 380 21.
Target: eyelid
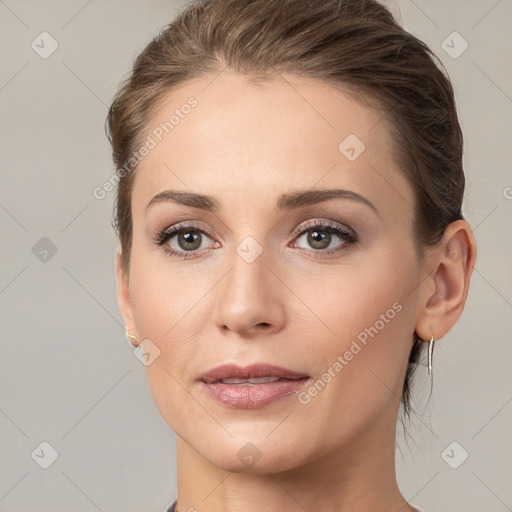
pixel 325 223
pixel 190 224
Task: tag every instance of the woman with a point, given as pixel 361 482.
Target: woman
pixel 289 212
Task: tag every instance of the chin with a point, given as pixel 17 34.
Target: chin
pixel 253 454
pixel 267 464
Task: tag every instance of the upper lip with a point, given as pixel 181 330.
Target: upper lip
pixel 256 370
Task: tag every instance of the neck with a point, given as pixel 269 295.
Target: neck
pixel 356 478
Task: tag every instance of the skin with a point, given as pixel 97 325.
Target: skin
pixel 246 145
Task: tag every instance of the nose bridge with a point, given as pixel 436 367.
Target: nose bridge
pixel 248 298
pixel 247 282
pixel 249 256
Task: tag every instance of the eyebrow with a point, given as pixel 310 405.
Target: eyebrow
pixel 289 201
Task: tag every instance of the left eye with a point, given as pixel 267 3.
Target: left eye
pixel 188 239
pixel 319 236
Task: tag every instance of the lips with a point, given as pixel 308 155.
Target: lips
pixel 251 381
pixel 249 374
pixel 252 386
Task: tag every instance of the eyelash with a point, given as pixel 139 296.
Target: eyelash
pixel 348 235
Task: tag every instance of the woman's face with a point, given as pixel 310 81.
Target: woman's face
pixel 274 274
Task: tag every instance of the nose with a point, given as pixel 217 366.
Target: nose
pixel 250 301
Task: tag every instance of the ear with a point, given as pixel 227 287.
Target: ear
pixel 443 294
pixel 123 294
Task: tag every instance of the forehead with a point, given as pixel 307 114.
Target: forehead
pixel 222 134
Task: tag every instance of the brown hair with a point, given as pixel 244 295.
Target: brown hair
pixel 354 45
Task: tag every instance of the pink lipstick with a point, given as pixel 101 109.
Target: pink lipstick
pixel 251 387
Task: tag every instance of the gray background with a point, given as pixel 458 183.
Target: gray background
pixel 68 376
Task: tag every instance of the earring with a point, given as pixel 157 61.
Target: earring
pixel 430 352
pixel 131 338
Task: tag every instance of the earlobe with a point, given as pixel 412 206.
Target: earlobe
pixel 452 264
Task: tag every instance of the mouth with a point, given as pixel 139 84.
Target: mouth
pixel 252 386
pixel 254 373
pixel 252 381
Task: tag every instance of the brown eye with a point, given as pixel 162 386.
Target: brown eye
pixel 184 241
pixel 319 239
pixel 320 236
pixel 189 240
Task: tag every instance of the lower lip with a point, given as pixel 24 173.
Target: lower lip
pixel 242 396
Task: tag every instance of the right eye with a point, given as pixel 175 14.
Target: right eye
pixel 186 240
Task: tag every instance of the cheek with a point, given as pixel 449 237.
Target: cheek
pixel 347 299
pixel 366 316
pixel 170 310
pixel 160 292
